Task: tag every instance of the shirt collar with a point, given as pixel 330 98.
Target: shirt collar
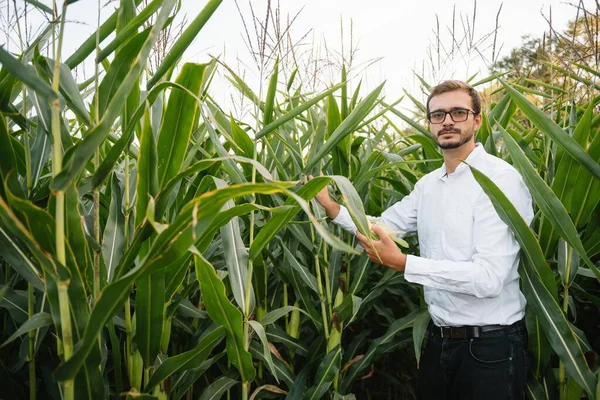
pixel 477 151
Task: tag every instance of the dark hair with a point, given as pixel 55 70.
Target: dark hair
pixel 452 85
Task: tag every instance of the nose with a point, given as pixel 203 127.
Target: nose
pixel 447 120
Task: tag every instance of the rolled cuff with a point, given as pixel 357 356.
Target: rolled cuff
pixel 344 220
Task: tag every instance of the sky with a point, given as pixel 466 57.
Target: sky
pixel 391 39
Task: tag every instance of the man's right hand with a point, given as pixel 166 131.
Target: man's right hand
pixel 331 207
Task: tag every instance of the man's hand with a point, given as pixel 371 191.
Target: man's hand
pixel 383 251
pixel 331 207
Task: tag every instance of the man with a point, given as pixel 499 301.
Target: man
pixel 477 344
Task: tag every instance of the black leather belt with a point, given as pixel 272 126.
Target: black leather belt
pixel 467 332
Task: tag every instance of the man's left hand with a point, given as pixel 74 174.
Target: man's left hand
pixel 383 251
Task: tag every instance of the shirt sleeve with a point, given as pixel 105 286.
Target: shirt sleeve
pixel 495 248
pixel 401 217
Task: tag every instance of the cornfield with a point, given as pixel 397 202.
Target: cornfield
pixel 153 246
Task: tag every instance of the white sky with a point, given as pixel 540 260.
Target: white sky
pixel 398 32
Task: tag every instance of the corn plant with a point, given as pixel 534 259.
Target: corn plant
pixel 154 246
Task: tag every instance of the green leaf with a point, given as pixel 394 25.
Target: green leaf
pixel 75 233
pixel 126 138
pixel 281 369
pixel 526 238
pixel 149 315
pixel 179 120
pixel 557 329
pixel 545 198
pixel 40 152
pixel 129 30
pixel 326 372
pixel 96 136
pixel 40 6
pixel 184 40
pixel 271 91
pixel 37 321
pixel 15 303
pixel 419 128
pixel 89 45
pixel 119 69
pixel 8 160
pixel 236 258
pixel 419 331
pixel 191 222
pixel 586 194
pixel 546 125
pixel 19 259
pixel 278 335
pixel 216 389
pixel 147 174
pixel 489 78
pixel 113 238
pixel 224 313
pixel 574 76
pixel 347 127
pixel 241 139
pixel 278 221
pixel 295 112
pixel 308 278
pixel 26 74
pixel 394 329
pixel 332 240
pixel 260 331
pixel 186 360
pixel 68 88
pixel 274 315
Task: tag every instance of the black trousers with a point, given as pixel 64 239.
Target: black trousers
pixel 492 366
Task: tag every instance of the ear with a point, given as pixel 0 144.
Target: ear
pixel 477 121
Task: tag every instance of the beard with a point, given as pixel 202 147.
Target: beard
pixel 458 138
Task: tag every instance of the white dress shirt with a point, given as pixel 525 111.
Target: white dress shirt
pixel 469 257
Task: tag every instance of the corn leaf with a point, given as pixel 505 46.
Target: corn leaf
pixel 236 258
pixel 295 112
pixel 183 41
pixel 394 329
pixel 346 128
pixel 545 198
pixel 26 74
pixel 188 359
pixel 309 279
pixel 260 331
pixel 147 175
pixel 224 313
pixel 113 239
pixel 546 125
pixel 37 321
pixel 557 329
pixel 326 372
pixel 271 91
pixel 171 244
pixel 68 88
pixel 129 30
pixel 180 119
pixel 150 306
pixel 526 238
pixel 96 136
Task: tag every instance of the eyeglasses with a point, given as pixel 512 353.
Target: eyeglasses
pixel 457 115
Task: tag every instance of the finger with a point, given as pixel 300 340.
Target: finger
pixel 361 237
pixel 381 233
pixel 366 245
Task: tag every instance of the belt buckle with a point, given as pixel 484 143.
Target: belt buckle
pixel 442 332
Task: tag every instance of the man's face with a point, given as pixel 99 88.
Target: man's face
pixel 450 134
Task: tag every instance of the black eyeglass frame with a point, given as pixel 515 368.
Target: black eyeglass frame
pixel 451 117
